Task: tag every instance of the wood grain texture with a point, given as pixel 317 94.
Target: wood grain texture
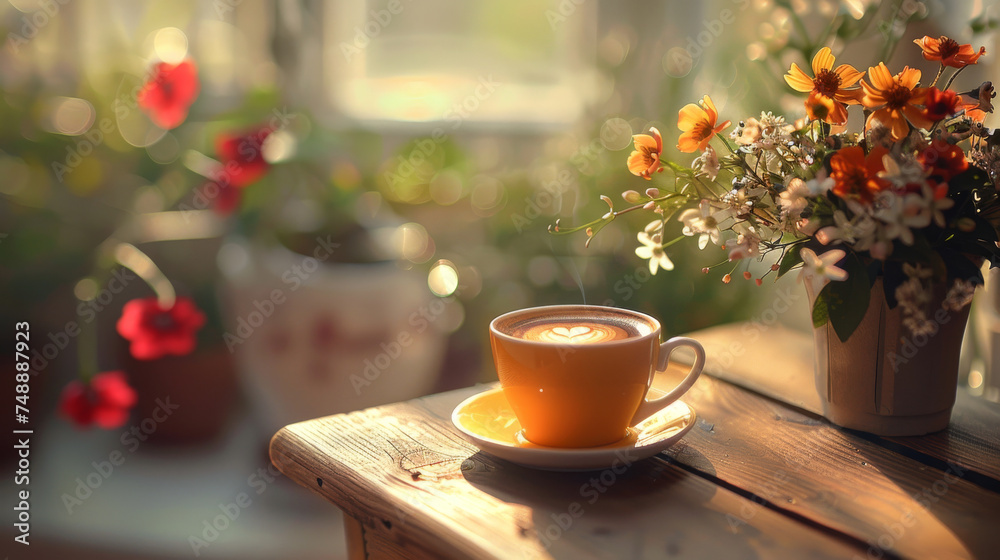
pixel 804 466
pixel 778 362
pixel 418 489
pixel 972 439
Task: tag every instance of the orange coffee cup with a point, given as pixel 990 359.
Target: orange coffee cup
pixel 578 375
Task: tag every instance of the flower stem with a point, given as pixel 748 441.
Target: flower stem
pixel 726 142
pixel 132 258
pixel 936 78
pixel 953 76
pixel 672 241
pixel 751 172
pixel 86 351
pixel 559 230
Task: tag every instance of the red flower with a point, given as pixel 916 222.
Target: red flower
pixel 941 104
pixel 156 332
pixel 169 92
pixel 948 52
pixel 242 157
pixel 856 175
pixel 943 160
pixel 105 401
pixel 226 199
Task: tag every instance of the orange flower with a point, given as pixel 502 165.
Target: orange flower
pixel 940 104
pixel 855 175
pixel 978 102
pixel 948 52
pixel 698 125
pixel 822 108
pixel 645 159
pixel 828 88
pixel 896 99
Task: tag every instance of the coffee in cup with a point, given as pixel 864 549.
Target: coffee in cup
pixel 578 375
pixel 575 328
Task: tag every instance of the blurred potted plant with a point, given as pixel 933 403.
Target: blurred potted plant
pixel 258 183
pixel 326 317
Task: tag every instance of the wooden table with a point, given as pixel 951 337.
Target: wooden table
pixel 755 478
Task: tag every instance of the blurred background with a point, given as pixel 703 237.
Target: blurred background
pixel 415 155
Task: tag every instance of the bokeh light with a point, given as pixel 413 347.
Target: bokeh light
pixel 443 278
pixel 446 187
pixel 279 146
pixel 412 242
pixel 86 289
pixel 71 116
pixel 170 45
pixel 677 62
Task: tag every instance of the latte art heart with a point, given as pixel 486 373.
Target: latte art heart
pixel 571 332
pixel 583 327
pixel 561 333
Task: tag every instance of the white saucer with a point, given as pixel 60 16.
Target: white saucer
pixel 487 420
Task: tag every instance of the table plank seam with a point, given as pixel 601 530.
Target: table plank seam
pixel 764 502
pixel 980 479
pixel 984 481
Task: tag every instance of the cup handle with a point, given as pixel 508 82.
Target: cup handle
pixel 648 407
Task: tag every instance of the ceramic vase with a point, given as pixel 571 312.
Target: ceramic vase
pixel 318 338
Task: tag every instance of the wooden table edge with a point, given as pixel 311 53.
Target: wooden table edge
pixel 359 525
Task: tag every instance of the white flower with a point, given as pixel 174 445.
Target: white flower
pixel 652 249
pixel 794 199
pixel 820 184
pixel 708 163
pixel 747 245
pixel 913 296
pixel 918 271
pixel 921 209
pixel 819 270
pixel 748 239
pixel 741 201
pixel 749 133
pixel 959 295
pixel 889 210
pixel 767 133
pixel 859 232
pixel 654 227
pixel 704 220
pixel 908 172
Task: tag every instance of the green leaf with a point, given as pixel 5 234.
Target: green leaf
pixel 791 259
pixel 920 252
pixel 820 313
pixel 847 301
pixel 874 269
pixel 961 267
pixel 985 230
pixel 971 178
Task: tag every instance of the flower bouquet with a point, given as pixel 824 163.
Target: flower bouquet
pixel 909 199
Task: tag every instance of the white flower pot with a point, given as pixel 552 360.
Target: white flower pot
pixel 318 340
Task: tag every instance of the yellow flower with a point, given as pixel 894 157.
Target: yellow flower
pixel 895 100
pixel 698 125
pixel 828 89
pixel 645 159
